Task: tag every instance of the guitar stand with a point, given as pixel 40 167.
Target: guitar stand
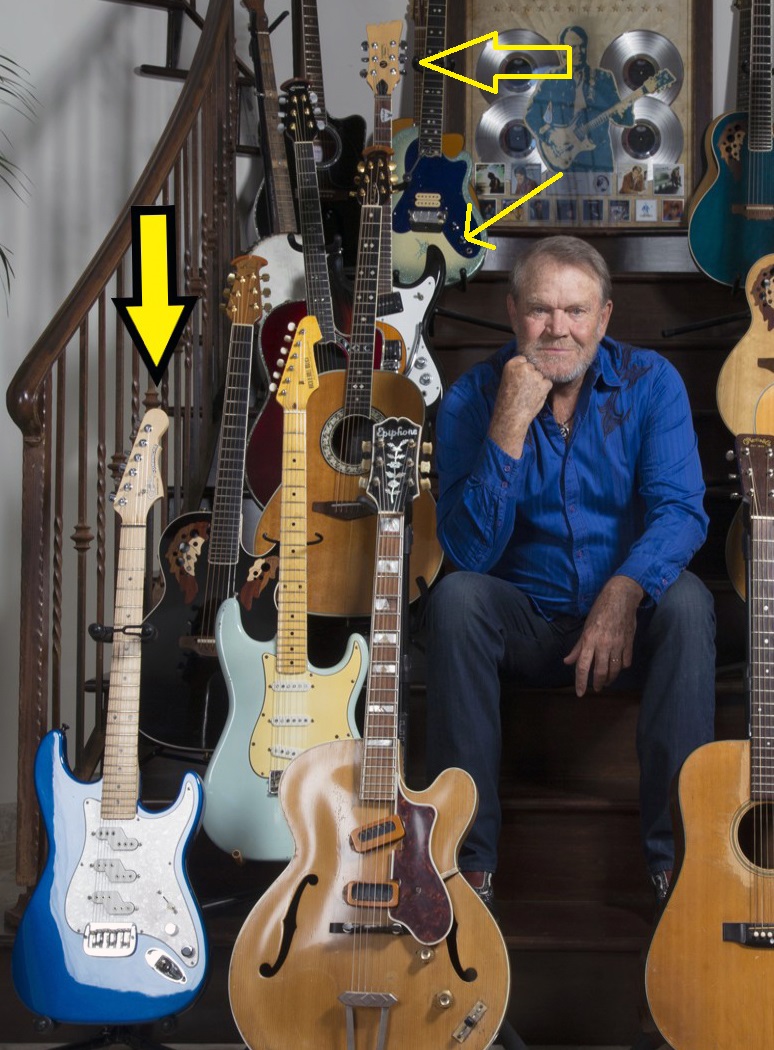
pixel 119 1035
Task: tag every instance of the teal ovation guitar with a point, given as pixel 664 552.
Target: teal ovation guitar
pixel 731 225
pixel 371 938
pixel 112 934
pixel 432 208
pixel 279 705
pixel 710 967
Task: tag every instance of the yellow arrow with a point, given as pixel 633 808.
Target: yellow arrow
pixel 429 63
pixel 470 235
pixel 155 315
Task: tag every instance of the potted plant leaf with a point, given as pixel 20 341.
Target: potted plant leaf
pixel 16 93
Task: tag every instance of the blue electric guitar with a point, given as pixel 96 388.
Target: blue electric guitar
pixel 731 225
pixel 279 705
pixel 431 210
pixel 112 933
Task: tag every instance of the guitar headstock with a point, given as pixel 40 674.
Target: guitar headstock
pixel 755 462
pixel 385 57
pixel 142 483
pixel 299 112
pixel 375 176
pixel 299 377
pixel 394 476
pixel 257 8
pixel 658 82
pixel 243 295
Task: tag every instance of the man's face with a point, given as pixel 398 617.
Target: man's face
pixel 578 45
pixel 559 319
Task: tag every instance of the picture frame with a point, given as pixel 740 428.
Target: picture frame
pixel 665 126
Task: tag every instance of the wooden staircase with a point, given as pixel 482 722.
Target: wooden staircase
pixel 576 906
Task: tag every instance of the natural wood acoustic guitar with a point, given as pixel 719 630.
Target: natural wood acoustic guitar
pixel 710 968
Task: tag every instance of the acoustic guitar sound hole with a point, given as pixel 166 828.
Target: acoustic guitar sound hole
pixel 342 440
pixel 755 835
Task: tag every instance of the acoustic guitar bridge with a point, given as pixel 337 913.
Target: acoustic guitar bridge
pixel 749 934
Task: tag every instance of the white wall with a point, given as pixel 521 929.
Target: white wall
pixel 96 126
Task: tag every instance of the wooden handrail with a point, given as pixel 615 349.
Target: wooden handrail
pixel 22 396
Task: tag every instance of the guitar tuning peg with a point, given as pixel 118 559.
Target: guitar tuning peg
pixel 365 465
pixel 736 495
pixel 367 446
pixel 363 73
pixel 291 326
pixel 275 375
pixel 272 388
pixel 427 448
pixel 362 482
pixel 424 466
pixel 312 96
pixel 364 45
pixel 424 484
pixel 360 166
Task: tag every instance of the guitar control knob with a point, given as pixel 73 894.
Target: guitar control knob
pixel 170 929
pixel 187 951
pixel 443 1000
pixel 421 362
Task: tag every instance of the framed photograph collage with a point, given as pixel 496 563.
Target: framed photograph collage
pixel 621 132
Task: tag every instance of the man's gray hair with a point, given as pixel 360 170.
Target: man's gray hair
pixel 571 251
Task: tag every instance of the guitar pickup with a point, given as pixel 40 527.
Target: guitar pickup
pixel 379 833
pixel 372 894
pixel 427 220
pixel 750 934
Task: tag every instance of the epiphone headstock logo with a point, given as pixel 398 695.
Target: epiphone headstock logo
pixel 396 432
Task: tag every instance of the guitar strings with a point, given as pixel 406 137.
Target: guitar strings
pixel 379 775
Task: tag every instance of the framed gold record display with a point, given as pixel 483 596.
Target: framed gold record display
pixel 624 132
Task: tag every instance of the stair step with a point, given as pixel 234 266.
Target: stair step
pixel 568 926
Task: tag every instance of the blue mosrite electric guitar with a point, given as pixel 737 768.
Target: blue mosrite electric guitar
pixel 279 705
pixel 431 210
pixel 112 933
pixel 731 225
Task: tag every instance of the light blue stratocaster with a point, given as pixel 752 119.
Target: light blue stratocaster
pixel 431 210
pixel 112 933
pixel 279 705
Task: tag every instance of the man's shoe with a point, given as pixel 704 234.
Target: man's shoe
pixel 662 880
pixel 481 881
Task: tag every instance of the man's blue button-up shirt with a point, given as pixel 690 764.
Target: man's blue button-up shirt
pixel 624 496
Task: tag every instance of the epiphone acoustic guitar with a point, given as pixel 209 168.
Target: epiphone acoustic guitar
pixel 184 700
pixel 112 934
pixel 371 938
pixel 731 225
pixel 340 417
pixel 279 704
pixel 710 968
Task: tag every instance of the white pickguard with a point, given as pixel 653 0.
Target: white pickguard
pixel 421 368
pixel 126 883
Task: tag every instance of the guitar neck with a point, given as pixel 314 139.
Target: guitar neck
pixel 379 771
pixel 761 615
pixel 382 138
pixel 760 108
pixel 743 59
pixel 226 525
pixel 360 367
pixel 282 215
pixel 292 600
pixel 121 773
pixel 431 119
pixel 420 48
pixel 318 285
pixel 307 54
